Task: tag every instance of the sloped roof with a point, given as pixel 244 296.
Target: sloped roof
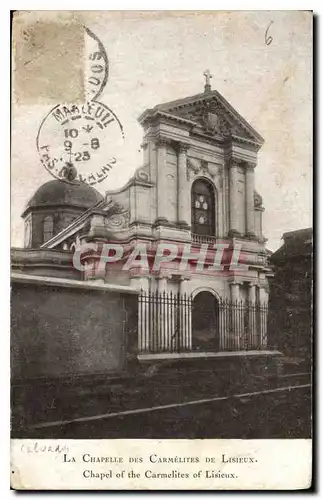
pixel 297 243
pixel 56 192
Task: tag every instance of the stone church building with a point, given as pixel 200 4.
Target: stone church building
pixel 195 189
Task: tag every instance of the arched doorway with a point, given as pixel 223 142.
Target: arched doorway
pixel 205 322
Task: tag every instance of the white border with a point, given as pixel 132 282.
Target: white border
pixel 5 156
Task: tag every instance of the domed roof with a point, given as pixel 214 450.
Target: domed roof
pixel 57 192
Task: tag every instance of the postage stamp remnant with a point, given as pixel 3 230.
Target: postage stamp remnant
pixel 57 58
pixel 48 61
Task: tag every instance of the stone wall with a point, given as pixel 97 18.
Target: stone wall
pixel 60 330
pixel 290 307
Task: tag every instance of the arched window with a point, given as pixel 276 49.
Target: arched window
pixel 203 208
pixel 48 228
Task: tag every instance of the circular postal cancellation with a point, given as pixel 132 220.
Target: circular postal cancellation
pixel 80 143
pixel 96 70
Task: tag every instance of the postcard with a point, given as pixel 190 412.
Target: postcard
pixel 161 250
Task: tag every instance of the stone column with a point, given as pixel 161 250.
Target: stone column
pixel 90 256
pixel 183 194
pixel 95 266
pixel 234 204
pixel 235 291
pixel 138 280
pixel 235 326
pixel 252 333
pixel 250 211
pixel 142 283
pixel 161 341
pixel 161 145
pixel 263 298
pixel 223 325
pixel 185 315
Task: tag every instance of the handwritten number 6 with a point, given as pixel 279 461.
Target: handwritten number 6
pixel 268 39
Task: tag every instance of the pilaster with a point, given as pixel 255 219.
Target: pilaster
pixel 252 292
pixel 252 323
pixel 185 314
pixel 235 291
pixel 161 145
pixel 164 325
pixel 250 211
pixel 235 332
pixel 183 194
pixel 234 200
pixel 141 282
pixel 263 299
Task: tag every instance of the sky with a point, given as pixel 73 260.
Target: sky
pixel 156 57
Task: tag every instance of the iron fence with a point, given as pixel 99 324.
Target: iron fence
pixel 166 323
pixel 242 325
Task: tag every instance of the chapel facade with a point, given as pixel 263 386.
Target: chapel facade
pixel 195 189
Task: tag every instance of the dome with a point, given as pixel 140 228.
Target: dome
pixel 57 192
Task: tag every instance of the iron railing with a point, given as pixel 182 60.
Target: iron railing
pixel 200 239
pixel 167 323
pixel 164 322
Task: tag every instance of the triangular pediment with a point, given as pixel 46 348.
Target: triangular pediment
pixel 210 113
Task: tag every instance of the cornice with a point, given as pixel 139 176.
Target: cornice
pixel 243 140
pixel 42 257
pixel 138 182
pixel 183 147
pixel 151 114
pixel 70 283
pixel 162 141
pixel 50 207
pixel 205 99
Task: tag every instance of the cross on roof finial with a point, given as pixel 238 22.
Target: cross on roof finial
pixel 208 76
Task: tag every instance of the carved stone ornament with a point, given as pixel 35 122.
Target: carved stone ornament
pixel 257 200
pixel 163 142
pixel 117 217
pixel 192 166
pixel 214 118
pixel 214 121
pixel 142 174
pixel 214 170
pixel 112 207
pixel 182 147
pixel 118 221
pixel 201 166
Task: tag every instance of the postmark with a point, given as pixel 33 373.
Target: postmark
pixel 96 67
pixel 80 143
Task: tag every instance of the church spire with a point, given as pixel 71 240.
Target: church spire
pixel 208 76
